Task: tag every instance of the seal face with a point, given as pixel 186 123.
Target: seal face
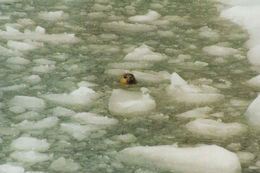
pixel 127 79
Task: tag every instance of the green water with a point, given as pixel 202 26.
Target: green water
pixel 95 154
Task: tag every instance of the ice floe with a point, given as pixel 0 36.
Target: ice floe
pixel 82 96
pixel 30 143
pixel 18 60
pixel 63 112
pixel 254 82
pixel 64 165
pixel 181 91
pixel 130 65
pixel 121 26
pixel 208 33
pixel 127 103
pixel 33 79
pixel 144 53
pixel 215 129
pixel 30 156
pixel 52 15
pixel 245 157
pixel 216 50
pixel 37 36
pixel 17 109
pixel 253 112
pixel 78 131
pixel 201 159
pixel 27 102
pixel 9 168
pixel 43 68
pixel 201 112
pixel 94 119
pixel 21 46
pixel 149 17
pixel 37 125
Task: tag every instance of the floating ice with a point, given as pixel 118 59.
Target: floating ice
pixel 215 129
pixel 44 61
pixel 208 33
pixel 64 165
pixel 17 109
pixel 99 7
pixel 181 91
pixel 21 46
pixel 30 143
pixel 43 68
pixel 152 77
pixel 130 65
pixel 18 60
pixel 41 124
pixel 201 112
pixel 86 84
pixel 82 96
pixel 129 103
pixel 8 168
pixel 30 156
pixel 254 82
pixel 149 17
pixel 121 26
pixel 94 119
pixel 28 115
pixel 126 138
pixel 53 15
pixel 62 112
pixel 36 36
pixel 245 157
pixel 202 159
pixel 144 53
pixel 253 112
pixel 14 87
pixel 220 51
pixel 78 131
pixel 31 103
pixel 8 52
pixel 33 79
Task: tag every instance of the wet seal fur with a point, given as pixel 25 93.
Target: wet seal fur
pixel 128 79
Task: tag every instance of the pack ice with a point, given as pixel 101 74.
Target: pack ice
pixel 201 159
pixel 127 103
pixel 181 91
pixel 253 112
pixel 82 96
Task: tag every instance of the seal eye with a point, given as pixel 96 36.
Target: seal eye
pixel 125 76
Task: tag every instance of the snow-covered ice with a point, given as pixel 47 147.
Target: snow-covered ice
pixel 201 159
pixel 216 50
pixel 30 156
pixel 215 129
pixel 201 112
pixel 30 143
pixel 37 125
pixel 144 53
pixel 147 18
pixel 62 112
pixel 127 103
pixel 28 102
pixel 181 91
pixel 253 112
pixel 64 165
pixel 9 168
pixel 83 96
pixel 94 119
pixel 52 15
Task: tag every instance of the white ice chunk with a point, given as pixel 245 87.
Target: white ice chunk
pixel 21 46
pixel 8 168
pixel 201 112
pixel 78 131
pixel 8 52
pixel 64 165
pixel 149 17
pixel 30 143
pixel 38 125
pixel 220 51
pixel 43 68
pixel 253 112
pixel 33 79
pixel 126 138
pixel 202 159
pixel 44 61
pixel 31 103
pixel 215 129
pixel 94 119
pixel 130 65
pixel 208 33
pixel 129 103
pixel 254 82
pixel 18 60
pixel 123 27
pixel 14 87
pixel 30 156
pixel 152 77
pixel 144 53
pixel 245 157
pixel 82 96
pixel 62 112
pixel 254 54
pixel 52 15
pixel 86 84
pixel 40 30
pixel 180 91
pixel 17 109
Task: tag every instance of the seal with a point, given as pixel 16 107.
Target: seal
pixel 128 79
